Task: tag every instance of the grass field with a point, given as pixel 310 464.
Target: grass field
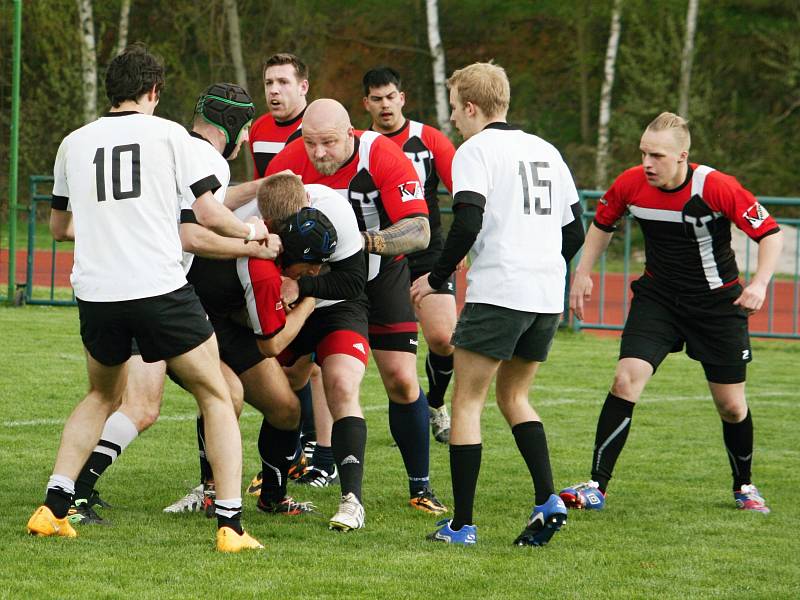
pixel 669 530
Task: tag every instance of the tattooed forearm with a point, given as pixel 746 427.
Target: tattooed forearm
pixel 407 235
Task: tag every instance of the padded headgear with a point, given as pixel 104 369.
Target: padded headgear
pixel 229 108
pixel 307 236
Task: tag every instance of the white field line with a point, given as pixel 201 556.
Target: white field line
pixel 759 399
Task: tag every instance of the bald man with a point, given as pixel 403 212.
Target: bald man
pixel 383 189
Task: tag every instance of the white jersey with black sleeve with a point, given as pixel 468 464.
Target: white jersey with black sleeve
pixel 121 176
pixel 207 155
pixel 338 210
pixel 527 193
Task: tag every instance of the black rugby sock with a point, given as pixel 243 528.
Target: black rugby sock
pixel 307 428
pixel 439 370
pixel 465 465
pixel 532 444
pixel 277 449
pixel 349 444
pixel 206 473
pixel 409 426
pixel 612 432
pixel 738 439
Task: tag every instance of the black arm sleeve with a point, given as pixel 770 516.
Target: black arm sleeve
pixel 59 202
pixel 467 223
pixel 345 280
pixel 572 234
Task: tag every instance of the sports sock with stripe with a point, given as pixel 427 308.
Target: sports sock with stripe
pixel 612 432
pixel 409 426
pixel 349 443
pixel 277 449
pixel 60 490
pixel 206 474
pixel 738 439
pixel 532 444
pixel 439 370
pixel 118 432
pixel 229 514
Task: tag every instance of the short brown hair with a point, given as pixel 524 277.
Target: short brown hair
pixel 679 126
pixel 280 196
pixel 284 58
pixel 485 85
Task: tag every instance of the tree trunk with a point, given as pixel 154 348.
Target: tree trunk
pixel 583 69
pixel 601 163
pixel 437 52
pixel 122 35
pixel 686 59
pixel 88 60
pixel 235 44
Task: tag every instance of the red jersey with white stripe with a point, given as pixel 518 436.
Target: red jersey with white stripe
pixel 431 153
pixel 268 137
pixel 687 230
pixel 261 285
pixel 378 180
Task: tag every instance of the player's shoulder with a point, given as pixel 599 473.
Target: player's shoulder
pixel 319 192
pixel 719 181
pixel 631 176
pixel 263 122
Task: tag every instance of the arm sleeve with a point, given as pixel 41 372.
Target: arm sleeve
pixel 345 280
pixel 193 177
pixel 60 199
pixel 611 207
pixel 402 193
pixel 467 223
pixel 261 282
pixel 572 234
pixel 443 152
pixel 725 194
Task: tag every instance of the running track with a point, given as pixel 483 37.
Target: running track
pixel 783 317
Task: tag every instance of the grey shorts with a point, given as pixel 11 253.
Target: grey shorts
pixel 502 333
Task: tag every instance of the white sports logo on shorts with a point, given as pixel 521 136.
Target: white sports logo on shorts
pixel 745 354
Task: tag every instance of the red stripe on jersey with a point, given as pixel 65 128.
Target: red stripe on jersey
pixel 274 133
pixel 265 279
pixel 346 342
pixel 404 327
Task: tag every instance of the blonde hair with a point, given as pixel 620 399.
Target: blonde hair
pixel 485 85
pixel 677 124
pixel 280 196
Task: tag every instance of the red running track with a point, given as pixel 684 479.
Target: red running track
pixel 783 316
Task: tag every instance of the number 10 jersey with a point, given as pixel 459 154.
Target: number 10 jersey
pixel 121 176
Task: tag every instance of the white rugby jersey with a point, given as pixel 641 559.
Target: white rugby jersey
pixel 338 210
pixel 528 192
pixel 209 156
pixel 121 176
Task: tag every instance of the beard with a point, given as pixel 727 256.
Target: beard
pixel 326 167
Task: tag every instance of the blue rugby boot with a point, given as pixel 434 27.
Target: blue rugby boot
pixel 585 496
pixel 466 536
pixel 545 520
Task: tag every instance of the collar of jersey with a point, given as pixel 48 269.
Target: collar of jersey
pixel 501 125
pixel 394 133
pixel 681 186
pixel 290 121
pixel 194 134
pixel 123 113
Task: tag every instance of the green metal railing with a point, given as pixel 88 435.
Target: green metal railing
pixel 602 297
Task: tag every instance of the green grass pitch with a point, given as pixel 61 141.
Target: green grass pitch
pixel 670 529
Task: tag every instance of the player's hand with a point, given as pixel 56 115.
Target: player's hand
pixel 752 297
pixel 462 264
pixel 261 231
pixel 580 292
pixel 290 291
pixel 420 288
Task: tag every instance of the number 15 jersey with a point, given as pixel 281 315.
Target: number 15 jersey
pixel 121 177
pixel 526 191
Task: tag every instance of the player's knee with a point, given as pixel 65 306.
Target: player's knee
pixel 732 410
pixel 402 387
pixel 237 397
pixel 341 387
pixel 627 386
pixel 439 343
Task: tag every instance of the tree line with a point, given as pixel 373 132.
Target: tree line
pixel 732 65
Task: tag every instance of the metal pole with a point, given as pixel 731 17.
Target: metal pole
pixel 14 154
